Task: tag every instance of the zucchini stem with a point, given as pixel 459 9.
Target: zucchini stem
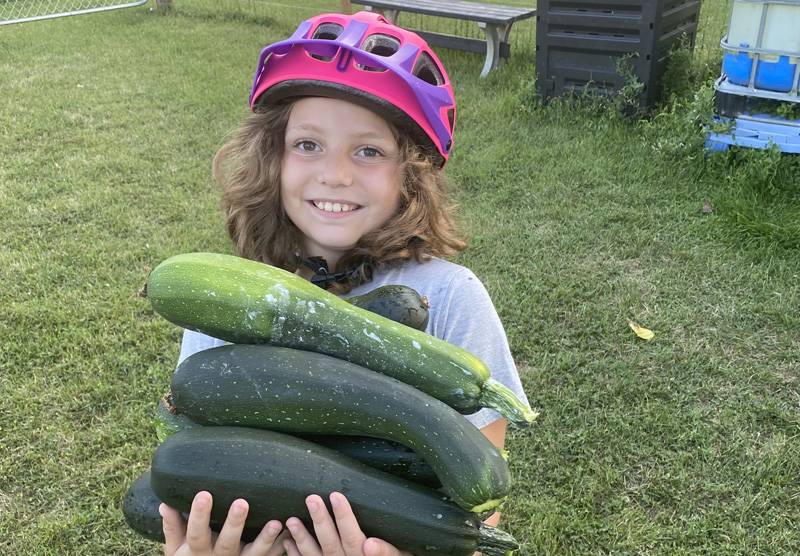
pixel 497 396
pixel 495 542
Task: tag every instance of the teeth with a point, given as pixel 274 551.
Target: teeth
pixel 333 207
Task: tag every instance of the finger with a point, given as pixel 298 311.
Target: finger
pixel 266 541
pixel 379 547
pixel 350 533
pixel 291 548
pixel 303 540
pixel 325 527
pixel 277 547
pixel 174 529
pixel 230 536
pixel 198 533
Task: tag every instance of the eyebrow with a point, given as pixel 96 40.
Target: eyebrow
pixel 314 128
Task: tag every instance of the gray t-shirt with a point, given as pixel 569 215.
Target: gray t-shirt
pixel 456 296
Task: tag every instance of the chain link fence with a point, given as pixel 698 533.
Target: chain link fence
pixel 20 11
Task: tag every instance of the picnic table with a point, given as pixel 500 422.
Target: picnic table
pixel 495 20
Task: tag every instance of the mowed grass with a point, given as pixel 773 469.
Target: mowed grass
pixel 579 221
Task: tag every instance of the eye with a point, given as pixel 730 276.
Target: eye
pixel 306 146
pixel 369 152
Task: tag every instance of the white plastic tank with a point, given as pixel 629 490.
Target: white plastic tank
pixel 762 48
pixel 745 22
pixel 782 27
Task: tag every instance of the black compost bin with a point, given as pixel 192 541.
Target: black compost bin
pixel 583 44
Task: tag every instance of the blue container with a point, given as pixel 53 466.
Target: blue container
pixel 776 76
pixel 738 66
pixel 770 75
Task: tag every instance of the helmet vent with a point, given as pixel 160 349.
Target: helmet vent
pixel 427 70
pixel 379 45
pixel 329 32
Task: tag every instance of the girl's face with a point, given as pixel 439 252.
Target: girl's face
pixel 340 174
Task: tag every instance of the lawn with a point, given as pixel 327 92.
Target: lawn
pixel 579 221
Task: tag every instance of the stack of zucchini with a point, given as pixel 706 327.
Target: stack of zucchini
pixel 317 394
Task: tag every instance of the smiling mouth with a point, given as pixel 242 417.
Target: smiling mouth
pixel 331 206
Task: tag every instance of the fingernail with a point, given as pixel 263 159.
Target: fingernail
pixel 312 504
pixel 291 524
pixel 370 547
pixel 335 500
pixel 161 509
pixel 200 502
pixel 273 527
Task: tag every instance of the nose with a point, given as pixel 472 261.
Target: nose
pixel 337 170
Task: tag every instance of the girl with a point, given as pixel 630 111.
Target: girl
pixel 337 175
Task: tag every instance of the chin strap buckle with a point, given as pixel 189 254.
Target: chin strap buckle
pixel 323 277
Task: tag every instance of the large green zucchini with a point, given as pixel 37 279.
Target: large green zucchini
pixel 244 301
pixel 297 391
pixel 388 456
pixel 275 472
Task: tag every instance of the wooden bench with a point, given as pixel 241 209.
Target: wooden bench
pixel 495 20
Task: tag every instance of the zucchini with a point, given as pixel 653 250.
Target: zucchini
pixel 275 472
pixel 295 391
pixel 244 301
pixel 140 508
pixel 395 302
pixel 385 455
pixel 390 457
pixel 168 420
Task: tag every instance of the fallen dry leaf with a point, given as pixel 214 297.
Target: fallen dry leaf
pixel 641 331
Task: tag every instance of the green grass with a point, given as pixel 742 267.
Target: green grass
pixel 579 221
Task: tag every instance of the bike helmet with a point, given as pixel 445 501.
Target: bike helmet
pixel 363 58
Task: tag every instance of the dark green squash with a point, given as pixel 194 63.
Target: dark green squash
pixel 275 472
pixel 388 456
pixel 302 392
pixel 395 302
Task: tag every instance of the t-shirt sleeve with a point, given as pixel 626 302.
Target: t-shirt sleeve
pixel 469 320
pixel 196 341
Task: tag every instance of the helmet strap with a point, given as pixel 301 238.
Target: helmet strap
pixel 323 277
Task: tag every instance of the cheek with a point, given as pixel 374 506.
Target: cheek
pixel 396 192
pixel 391 193
pixel 290 178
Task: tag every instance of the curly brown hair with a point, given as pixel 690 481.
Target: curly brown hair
pixel 248 169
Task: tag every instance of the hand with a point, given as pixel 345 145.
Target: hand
pixel 342 538
pixel 197 539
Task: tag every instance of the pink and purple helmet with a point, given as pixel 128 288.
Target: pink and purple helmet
pixel 365 59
